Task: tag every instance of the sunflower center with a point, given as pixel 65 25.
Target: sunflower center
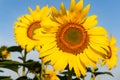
pixel 32 27
pixel 72 38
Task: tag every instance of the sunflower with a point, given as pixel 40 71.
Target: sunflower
pixel 111 57
pixel 25 26
pixel 51 75
pixel 75 40
pixel 4 53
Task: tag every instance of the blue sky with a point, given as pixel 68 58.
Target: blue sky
pixel 107 11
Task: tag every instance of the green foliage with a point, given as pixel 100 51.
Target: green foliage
pixel 23 78
pixel 32 66
pixel 102 73
pixel 35 66
pixel 9 64
pixel 15 49
pixel 5 78
pixel 1 71
pixel 2 48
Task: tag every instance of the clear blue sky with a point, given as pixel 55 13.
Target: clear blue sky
pixel 108 12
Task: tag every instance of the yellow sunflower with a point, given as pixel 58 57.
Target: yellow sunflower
pixel 74 41
pixel 51 75
pixel 5 54
pixel 111 57
pixel 25 26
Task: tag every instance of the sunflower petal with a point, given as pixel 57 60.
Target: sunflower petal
pixel 83 13
pixel 92 55
pixel 54 11
pixel 81 66
pixel 90 22
pixel 76 68
pixel 62 9
pixel 72 5
pixel 112 41
pixel 97 31
pixel 102 40
pixel 61 63
pixel 79 5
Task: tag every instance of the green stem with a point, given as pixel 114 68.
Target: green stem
pixel 24 60
pixel 69 75
pixel 83 78
pixel 42 76
pixel 93 75
pixel 37 76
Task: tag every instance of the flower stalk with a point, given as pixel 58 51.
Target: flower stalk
pixel 42 75
pixel 69 75
pixel 24 60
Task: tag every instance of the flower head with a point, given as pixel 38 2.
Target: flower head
pixel 111 57
pixel 26 25
pixel 51 75
pixel 75 40
pixel 4 53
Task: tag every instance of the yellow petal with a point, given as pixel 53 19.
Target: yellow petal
pixel 99 40
pixel 99 48
pixel 62 9
pixel 70 61
pixel 24 20
pixel 112 62
pixel 47 52
pixel 54 11
pixel 83 14
pixel 81 66
pixel 30 47
pixel 30 10
pixel 45 10
pixel 61 63
pixel 49 57
pixel 55 58
pixel 92 55
pixel 97 31
pixel 79 5
pixel 48 46
pixel 87 61
pixel 90 22
pixel 112 41
pixel 72 5
pixel 37 8
pixel 19 24
pixel 76 68
pixel 29 17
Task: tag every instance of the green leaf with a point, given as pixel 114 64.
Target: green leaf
pixel 76 79
pixel 1 71
pixel 9 64
pixel 5 78
pixel 3 48
pixel 100 73
pixel 22 78
pixel 21 58
pixel 15 49
pixel 33 66
pixel 90 70
pixel 62 77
